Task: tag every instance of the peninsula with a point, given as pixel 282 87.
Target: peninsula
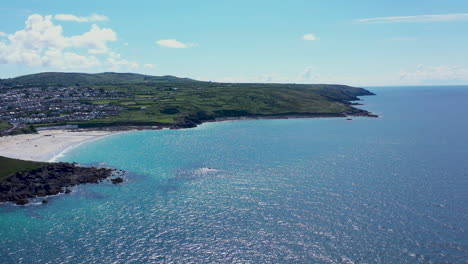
pixel 113 100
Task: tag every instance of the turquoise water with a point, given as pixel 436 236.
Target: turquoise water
pixel 386 190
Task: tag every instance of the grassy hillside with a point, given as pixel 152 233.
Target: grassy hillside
pixel 10 166
pixel 172 103
pixel 69 79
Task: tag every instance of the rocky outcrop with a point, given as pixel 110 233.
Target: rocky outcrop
pixel 50 179
pixel 117 180
pixel 360 112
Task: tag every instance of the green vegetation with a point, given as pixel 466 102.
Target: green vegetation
pixel 170 103
pixel 182 102
pixel 23 130
pixel 10 166
pixel 4 126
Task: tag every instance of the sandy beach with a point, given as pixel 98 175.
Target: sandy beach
pixel 46 144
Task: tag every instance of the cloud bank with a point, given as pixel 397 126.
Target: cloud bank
pixel 419 75
pixel 42 44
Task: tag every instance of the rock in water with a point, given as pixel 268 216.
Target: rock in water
pixel 117 180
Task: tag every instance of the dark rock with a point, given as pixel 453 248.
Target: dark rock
pixel 50 179
pixel 22 201
pixel 45 201
pixel 117 180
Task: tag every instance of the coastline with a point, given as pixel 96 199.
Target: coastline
pixel 194 122
pixel 289 116
pixel 46 145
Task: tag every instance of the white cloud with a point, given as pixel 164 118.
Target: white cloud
pixel 311 74
pixel 92 18
pixel 149 66
pixel 40 33
pixel 114 55
pixel 3 34
pixel 307 74
pixel 309 36
pixel 42 44
pixel 63 60
pixel 172 43
pixel 96 39
pixel 415 19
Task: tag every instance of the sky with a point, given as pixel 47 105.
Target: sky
pixel 361 43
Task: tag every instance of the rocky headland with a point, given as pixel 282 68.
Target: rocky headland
pixel 51 179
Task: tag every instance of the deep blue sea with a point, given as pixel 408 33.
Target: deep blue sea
pixel 392 189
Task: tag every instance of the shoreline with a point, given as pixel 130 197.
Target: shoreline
pixel 48 145
pixel 194 122
pixel 291 116
pixel 54 157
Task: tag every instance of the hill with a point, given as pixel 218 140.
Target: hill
pixel 70 79
pixel 170 101
pixel 189 104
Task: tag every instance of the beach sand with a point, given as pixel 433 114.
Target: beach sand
pixel 46 144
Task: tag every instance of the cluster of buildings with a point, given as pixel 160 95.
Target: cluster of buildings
pixel 33 105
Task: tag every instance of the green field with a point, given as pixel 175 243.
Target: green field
pixel 10 166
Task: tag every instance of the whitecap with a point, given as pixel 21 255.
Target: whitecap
pixel 205 170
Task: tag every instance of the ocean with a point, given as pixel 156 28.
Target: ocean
pixel 392 189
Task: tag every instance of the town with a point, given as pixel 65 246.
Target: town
pixel 55 104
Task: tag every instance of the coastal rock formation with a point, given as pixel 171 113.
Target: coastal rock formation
pixel 47 180
pixel 117 180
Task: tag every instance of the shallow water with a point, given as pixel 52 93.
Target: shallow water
pixel 385 190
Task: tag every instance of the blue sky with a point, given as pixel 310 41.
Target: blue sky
pixel 363 43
